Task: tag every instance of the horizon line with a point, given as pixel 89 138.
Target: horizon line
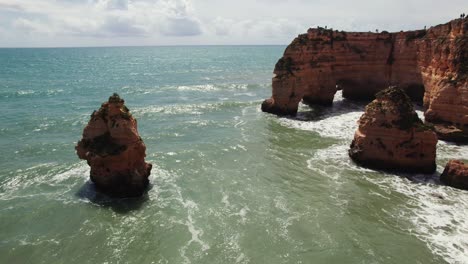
pixel 137 46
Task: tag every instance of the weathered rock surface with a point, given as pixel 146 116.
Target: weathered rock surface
pixel 114 150
pixel 449 132
pixel 455 174
pixel 430 65
pixel 391 136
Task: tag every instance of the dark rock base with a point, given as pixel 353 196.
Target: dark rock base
pixel 388 165
pixel 269 107
pixel 123 185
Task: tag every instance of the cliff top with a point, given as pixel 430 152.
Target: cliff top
pixel 321 31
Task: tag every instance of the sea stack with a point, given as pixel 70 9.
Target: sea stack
pixel 114 150
pixel 431 66
pixel 455 174
pixel 391 136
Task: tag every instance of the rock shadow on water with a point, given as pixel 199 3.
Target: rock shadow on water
pixel 119 205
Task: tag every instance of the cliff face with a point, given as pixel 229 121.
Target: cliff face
pixel 114 150
pixel 444 71
pixel 430 64
pixel 391 136
pixel 455 174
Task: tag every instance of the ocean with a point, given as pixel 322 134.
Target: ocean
pixel 230 184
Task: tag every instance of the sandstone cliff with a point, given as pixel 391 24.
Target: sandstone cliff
pixel 455 174
pixel 114 150
pixel 391 136
pixel 428 64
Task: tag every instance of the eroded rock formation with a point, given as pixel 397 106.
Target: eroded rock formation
pixel 114 150
pixel 391 136
pixel 428 64
pixel 455 174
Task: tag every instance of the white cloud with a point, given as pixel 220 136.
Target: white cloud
pixel 268 30
pixel 117 4
pixel 166 22
pixel 181 26
pixel 106 18
pixel 118 25
pixel 30 25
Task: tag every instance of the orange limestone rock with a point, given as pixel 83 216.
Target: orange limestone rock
pixel 114 150
pixel 444 69
pixel 429 65
pixel 391 136
pixel 455 174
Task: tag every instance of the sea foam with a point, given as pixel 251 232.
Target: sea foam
pixel 437 213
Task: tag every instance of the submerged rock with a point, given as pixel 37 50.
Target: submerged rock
pixel 114 150
pixel 391 136
pixel 455 174
pixel 429 65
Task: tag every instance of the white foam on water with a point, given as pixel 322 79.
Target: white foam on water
pixel 215 87
pixel 140 90
pixel 225 200
pixel 287 218
pixel 195 233
pixel 447 150
pixel 54 91
pixel 232 244
pixel 166 182
pixel 242 214
pixel 240 258
pixel 199 88
pixel 192 109
pixel 437 213
pixel 25 92
pixel 80 170
pixel 37 242
pixel 341 126
pixel 250 94
pixel 46 173
pixel 171 109
pixel 240 123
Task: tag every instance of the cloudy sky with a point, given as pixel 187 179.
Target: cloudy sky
pixel 45 23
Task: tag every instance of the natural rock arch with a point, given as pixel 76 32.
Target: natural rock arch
pixel 430 65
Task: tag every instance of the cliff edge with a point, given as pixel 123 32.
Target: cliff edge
pixel 429 65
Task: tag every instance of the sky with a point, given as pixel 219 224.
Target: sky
pixel 76 23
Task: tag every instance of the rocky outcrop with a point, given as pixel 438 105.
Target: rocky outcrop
pixel 430 65
pixel 455 174
pixel 114 150
pixel 391 136
pixel 443 60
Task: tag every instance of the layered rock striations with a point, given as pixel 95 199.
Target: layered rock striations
pixel 428 64
pixel 443 60
pixel 455 174
pixel 391 136
pixel 114 150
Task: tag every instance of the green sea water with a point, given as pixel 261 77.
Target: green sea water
pixel 230 184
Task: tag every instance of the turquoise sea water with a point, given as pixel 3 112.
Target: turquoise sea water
pixel 230 184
